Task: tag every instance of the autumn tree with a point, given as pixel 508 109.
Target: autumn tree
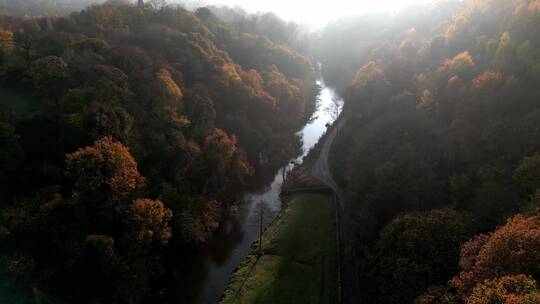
pixel 151 221
pixel 511 249
pixel 6 40
pixel 6 43
pixel 461 65
pixel 225 160
pixel 438 295
pixel 106 166
pixel 168 105
pixel 199 219
pixel 519 289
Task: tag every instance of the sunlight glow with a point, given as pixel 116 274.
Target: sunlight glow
pixel 318 12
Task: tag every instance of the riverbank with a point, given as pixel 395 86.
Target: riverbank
pixel 235 238
pixel 299 263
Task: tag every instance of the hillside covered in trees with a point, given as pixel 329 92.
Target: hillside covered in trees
pixel 129 135
pixel 439 153
pixel 126 133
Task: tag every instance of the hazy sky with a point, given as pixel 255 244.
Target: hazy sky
pixel 318 12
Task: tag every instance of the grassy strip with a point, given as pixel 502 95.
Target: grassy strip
pixel 299 262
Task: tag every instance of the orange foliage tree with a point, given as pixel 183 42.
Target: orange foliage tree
pixel 519 289
pixel 151 218
pixel 105 165
pixel 512 249
pixel 6 41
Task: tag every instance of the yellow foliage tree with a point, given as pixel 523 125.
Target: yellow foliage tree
pixel 462 64
pixel 6 41
pixel 170 105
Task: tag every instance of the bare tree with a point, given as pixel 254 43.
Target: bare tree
pixel 263 217
pixel 334 110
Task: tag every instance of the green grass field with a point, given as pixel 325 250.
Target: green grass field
pixel 299 264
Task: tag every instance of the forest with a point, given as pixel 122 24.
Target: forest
pixel 439 152
pixel 130 134
pixel 127 133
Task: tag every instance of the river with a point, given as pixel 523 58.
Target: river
pixel 221 260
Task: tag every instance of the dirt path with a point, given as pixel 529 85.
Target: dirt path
pixel 321 171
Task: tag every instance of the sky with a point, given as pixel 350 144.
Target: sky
pixel 317 12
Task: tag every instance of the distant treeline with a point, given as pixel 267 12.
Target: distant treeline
pixel 441 143
pixel 44 7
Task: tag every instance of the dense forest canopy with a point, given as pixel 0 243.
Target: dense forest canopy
pixel 128 131
pixel 441 143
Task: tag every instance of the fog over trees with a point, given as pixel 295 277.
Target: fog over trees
pixel 130 132
pixel 442 113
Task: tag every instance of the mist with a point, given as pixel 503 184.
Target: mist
pixel 270 152
pixel 317 13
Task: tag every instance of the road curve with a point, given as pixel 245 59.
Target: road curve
pixel 321 171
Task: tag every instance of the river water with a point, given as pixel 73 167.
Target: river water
pixel 243 230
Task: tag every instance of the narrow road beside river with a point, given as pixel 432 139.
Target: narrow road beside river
pixel 321 171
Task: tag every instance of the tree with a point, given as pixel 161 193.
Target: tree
pixel 225 161
pixel 418 250
pixel 106 166
pixel 527 174
pixel 207 214
pixel 203 116
pixel 168 103
pixel 6 43
pixel 151 220
pixel 427 101
pixel 504 56
pixel 334 108
pixel 48 75
pixel 461 65
pixel 511 249
pixel 438 295
pixel 518 289
pixel 263 215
